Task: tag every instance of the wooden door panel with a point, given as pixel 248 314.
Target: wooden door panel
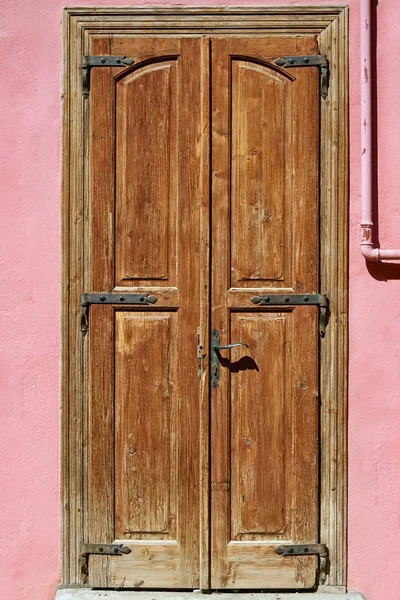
pixel 265 163
pixel 259 106
pixel 148 203
pixel 145 424
pixel 260 418
pixel 146 175
pixel 264 458
pixel 148 564
pixel 252 566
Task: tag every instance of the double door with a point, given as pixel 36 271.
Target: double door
pixel 203 199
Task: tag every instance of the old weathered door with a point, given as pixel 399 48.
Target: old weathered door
pixel 203 194
pixel 149 180
pixel 264 240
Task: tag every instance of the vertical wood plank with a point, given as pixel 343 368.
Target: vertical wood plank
pixel 101 173
pixel 100 448
pixel 220 277
pixel 100 438
pixel 334 281
pixel 192 196
pixel 204 151
pixel 258 172
pixel 73 421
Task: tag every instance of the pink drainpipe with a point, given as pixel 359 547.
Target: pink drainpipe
pixel 367 249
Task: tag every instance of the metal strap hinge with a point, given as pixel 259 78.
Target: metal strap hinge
pixel 320 300
pixel 101 549
pixel 320 550
pixel 313 60
pixel 116 299
pixel 100 61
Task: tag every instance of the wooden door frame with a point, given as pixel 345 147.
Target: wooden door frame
pixel 330 25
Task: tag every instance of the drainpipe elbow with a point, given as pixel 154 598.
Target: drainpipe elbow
pixel 367 249
pixel 375 254
pixel 370 253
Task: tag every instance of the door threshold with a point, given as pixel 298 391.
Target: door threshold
pixel 93 594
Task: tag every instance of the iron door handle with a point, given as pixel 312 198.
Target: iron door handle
pixel 216 347
pixel 215 355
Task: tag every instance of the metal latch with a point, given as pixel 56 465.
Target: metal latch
pixel 100 61
pixel 320 550
pixel 320 300
pixel 200 355
pixel 102 549
pixel 313 60
pixel 101 298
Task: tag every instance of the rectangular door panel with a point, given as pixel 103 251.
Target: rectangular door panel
pixel 146 424
pixel 148 563
pixel 260 417
pixel 146 173
pixel 260 188
pixel 265 163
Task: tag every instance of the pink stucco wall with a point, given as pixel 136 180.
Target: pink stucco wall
pixel 30 109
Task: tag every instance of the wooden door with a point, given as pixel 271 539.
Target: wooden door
pixel 264 410
pixel 202 483
pixel 149 182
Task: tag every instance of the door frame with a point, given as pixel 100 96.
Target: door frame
pixel 330 25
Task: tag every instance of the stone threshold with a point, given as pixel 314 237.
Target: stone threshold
pixel 90 594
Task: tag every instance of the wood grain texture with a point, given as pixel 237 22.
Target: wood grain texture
pixel 72 424
pixel 146 176
pixel 258 464
pixel 260 424
pixel 100 433
pixel 100 452
pixel 334 281
pixel 299 20
pixel 146 564
pixel 259 153
pixel 101 174
pixel 247 562
pixel 274 446
pixel 144 384
pixel 81 26
pixel 145 436
pixel 273 170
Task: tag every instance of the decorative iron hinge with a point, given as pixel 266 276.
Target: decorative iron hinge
pixel 100 61
pixel 102 549
pixel 103 298
pixel 320 550
pixel 314 60
pixel 320 300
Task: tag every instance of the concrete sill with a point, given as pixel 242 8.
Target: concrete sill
pixel 89 594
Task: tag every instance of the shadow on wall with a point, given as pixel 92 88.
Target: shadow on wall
pixel 382 271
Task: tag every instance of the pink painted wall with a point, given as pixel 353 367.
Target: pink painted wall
pixel 30 107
